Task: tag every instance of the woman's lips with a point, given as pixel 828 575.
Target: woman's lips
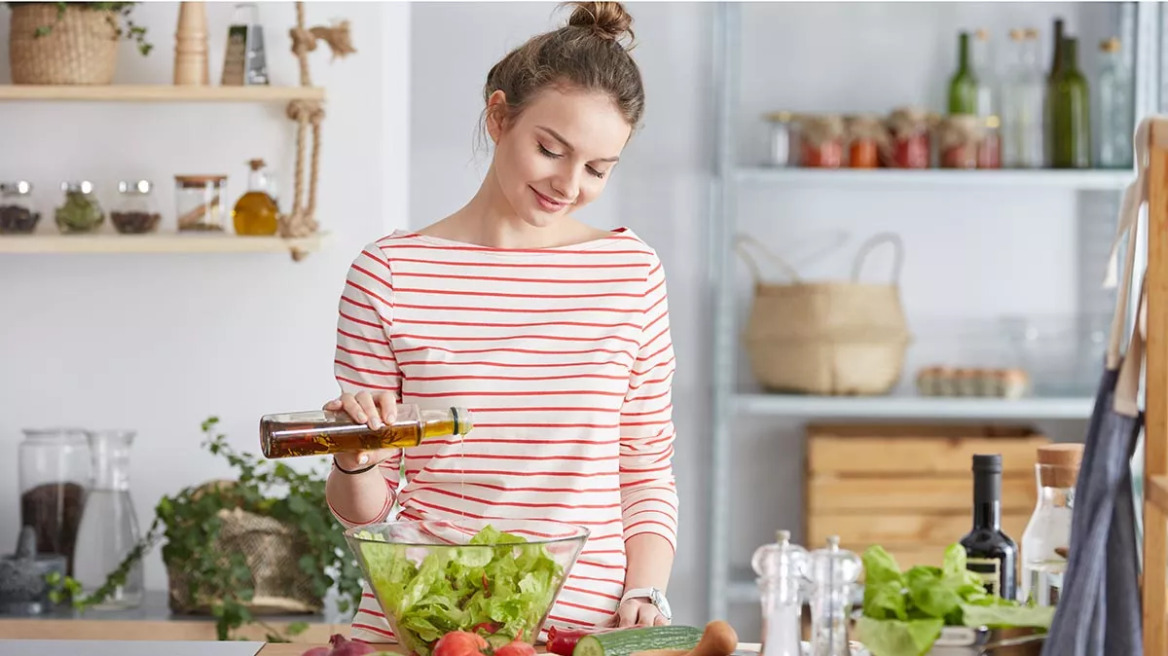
pixel 547 203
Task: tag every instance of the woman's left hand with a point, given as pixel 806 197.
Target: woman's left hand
pixel 638 612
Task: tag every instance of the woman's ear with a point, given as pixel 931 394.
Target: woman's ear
pixel 496 114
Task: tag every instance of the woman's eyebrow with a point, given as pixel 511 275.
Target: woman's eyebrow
pixel 556 135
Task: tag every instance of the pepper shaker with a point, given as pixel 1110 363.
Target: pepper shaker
pixel 834 572
pixel 781 569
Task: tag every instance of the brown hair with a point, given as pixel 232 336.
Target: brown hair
pixel 585 54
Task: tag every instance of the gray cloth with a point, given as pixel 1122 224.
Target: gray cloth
pixel 1098 611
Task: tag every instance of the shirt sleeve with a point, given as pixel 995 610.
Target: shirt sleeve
pixel 364 360
pixel 648 492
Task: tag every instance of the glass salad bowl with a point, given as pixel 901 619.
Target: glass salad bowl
pixel 496 577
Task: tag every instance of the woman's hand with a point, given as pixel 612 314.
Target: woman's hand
pixel 637 612
pixel 373 411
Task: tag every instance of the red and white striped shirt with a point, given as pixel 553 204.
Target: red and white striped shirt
pixel 564 357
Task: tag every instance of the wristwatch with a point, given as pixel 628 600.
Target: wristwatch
pixel 655 597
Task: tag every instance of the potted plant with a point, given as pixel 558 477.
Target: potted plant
pixel 228 546
pixel 69 42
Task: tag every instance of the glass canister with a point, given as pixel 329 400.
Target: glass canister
pixel 782 139
pixel 960 139
pixel 80 211
pixel 781 569
pixel 908 129
pixel 833 574
pixel 55 473
pixel 1049 529
pixel 18 215
pixel 109 524
pixel 201 202
pixel 867 138
pixel 135 211
pixel 821 141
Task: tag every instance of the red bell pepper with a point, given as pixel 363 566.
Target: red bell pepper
pixel 562 641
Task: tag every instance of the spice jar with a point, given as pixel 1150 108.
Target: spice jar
pixel 201 201
pixel 80 212
pixel 866 138
pixel 135 211
pixel 989 151
pixel 782 139
pixel 17 213
pixel 821 141
pixel 960 138
pixel 908 129
pixel 55 474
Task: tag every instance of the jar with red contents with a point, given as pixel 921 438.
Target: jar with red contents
pixel 989 151
pixel 867 138
pixel 960 138
pixel 821 141
pixel 908 129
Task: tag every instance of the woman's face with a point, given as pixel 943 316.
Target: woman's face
pixel 557 155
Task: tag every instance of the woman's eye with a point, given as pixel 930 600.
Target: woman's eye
pixel 547 153
pixel 599 174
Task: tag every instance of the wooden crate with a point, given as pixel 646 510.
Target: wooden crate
pixel 909 488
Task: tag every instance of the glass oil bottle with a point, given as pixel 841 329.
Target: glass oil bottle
pixel 321 432
pixel 255 213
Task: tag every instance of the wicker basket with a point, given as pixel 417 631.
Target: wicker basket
pixel 81 46
pixel 272 551
pixel 828 338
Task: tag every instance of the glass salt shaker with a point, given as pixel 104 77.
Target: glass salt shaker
pixel 781 568
pixel 834 572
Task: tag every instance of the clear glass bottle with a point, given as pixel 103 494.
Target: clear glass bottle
pixel 79 212
pixel 109 524
pixel 18 215
pixel 985 73
pixel 1116 122
pixel 781 126
pixel 135 211
pixel 256 213
pixel 781 568
pixel 1023 91
pixel 321 432
pixel 1049 528
pixel 833 573
pixel 55 473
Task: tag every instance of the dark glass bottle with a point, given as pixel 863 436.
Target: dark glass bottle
pixel 963 85
pixel 1056 52
pixel 990 553
pixel 1069 131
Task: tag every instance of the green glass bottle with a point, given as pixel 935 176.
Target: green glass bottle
pixel 963 85
pixel 1070 118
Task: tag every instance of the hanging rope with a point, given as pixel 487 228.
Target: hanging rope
pixel 301 221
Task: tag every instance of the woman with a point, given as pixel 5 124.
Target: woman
pixel 555 335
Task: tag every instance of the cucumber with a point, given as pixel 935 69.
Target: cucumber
pixel 627 641
pixel 498 640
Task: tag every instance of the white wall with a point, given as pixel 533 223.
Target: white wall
pixel 157 343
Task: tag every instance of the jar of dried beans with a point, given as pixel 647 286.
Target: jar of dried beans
pixel 136 211
pixel 960 138
pixel 866 139
pixel 821 141
pixel 18 213
pixel 908 129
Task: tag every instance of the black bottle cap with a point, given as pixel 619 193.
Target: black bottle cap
pixel 989 463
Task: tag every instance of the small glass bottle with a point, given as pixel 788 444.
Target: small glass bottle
pixel 55 473
pixel 1049 528
pixel 781 569
pixel 109 525
pixel 782 138
pixel 321 432
pixel 833 574
pixel 1023 91
pixel 18 215
pixel 79 212
pixel 981 55
pixel 989 149
pixel 963 86
pixel 136 211
pixel 1069 129
pixel 1116 115
pixel 256 213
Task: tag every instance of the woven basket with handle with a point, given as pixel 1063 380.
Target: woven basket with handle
pixel 272 551
pixel 828 338
pixel 80 46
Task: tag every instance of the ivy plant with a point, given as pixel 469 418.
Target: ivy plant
pixel 114 10
pixel 189 522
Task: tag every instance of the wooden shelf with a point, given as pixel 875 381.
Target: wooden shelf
pixel 1087 179
pixel 908 407
pixel 157 243
pixel 159 93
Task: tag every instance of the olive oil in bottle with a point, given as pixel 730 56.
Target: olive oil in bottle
pixel 255 213
pixel 320 432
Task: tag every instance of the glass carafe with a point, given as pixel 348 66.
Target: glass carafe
pixel 781 569
pixel 109 525
pixel 1049 530
pixel 833 573
pixel 55 473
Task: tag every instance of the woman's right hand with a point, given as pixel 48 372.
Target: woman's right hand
pixel 375 412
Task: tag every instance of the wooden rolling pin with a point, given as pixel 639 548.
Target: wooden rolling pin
pixel 718 639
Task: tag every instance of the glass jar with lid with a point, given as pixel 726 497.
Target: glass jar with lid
pixel 55 475
pixel 821 141
pixel 136 210
pixel 18 215
pixel 201 202
pixel 781 126
pixel 79 211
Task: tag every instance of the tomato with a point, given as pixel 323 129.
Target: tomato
pixel 488 627
pixel 460 643
pixel 514 648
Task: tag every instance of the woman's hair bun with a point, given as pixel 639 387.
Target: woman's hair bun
pixel 608 20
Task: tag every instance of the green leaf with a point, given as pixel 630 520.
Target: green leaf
pixel 897 638
pixel 1007 614
pixel 880 566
